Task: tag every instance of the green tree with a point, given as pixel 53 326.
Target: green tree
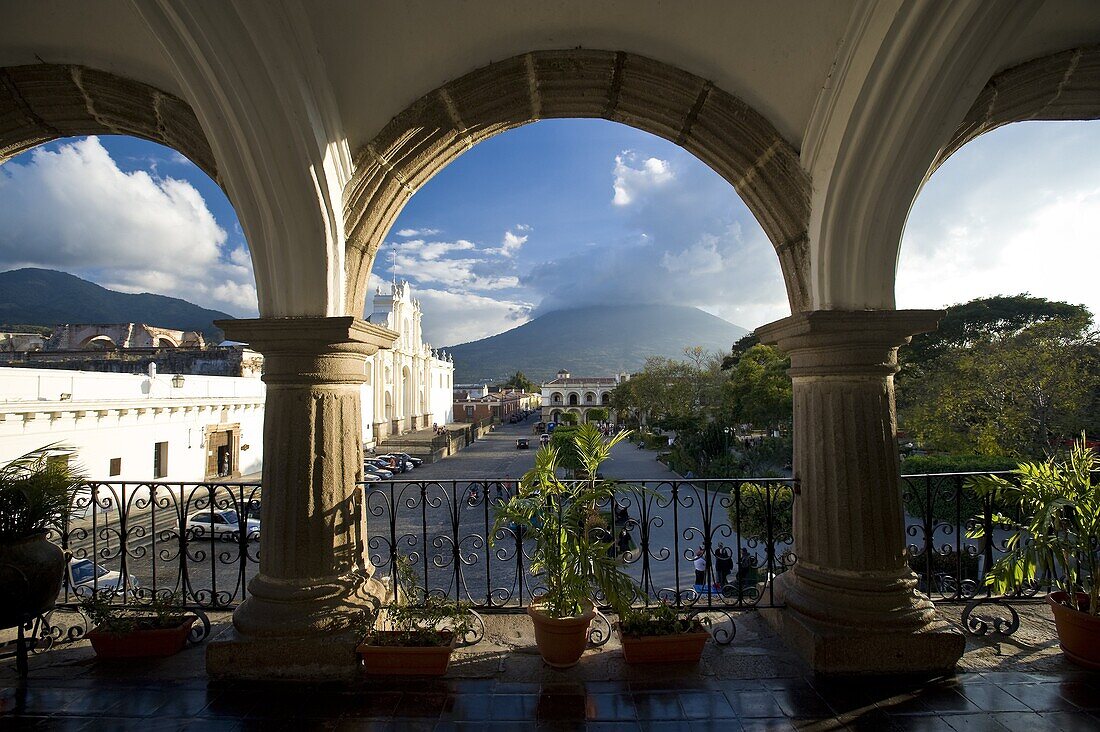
pixel 981 320
pixel 759 391
pixel 1010 391
pixel 599 414
pixel 520 381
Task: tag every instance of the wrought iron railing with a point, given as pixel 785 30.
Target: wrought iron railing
pixel 740 530
pixel 191 540
pixel 144 537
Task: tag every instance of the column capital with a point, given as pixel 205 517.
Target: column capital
pixel 313 334
pixel 309 351
pixel 846 342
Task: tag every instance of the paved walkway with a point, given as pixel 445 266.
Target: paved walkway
pixel 755 683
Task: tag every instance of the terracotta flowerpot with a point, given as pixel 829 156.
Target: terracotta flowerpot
pixel 561 641
pixel 141 642
pixel 384 660
pixel 678 648
pixel 1078 632
pixel 31 573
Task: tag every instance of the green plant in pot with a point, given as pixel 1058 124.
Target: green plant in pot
pixel 416 635
pixel 36 495
pixel 1056 536
pixel 153 628
pixel 571 553
pixel 658 634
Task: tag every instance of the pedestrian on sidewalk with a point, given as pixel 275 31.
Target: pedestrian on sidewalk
pixel 699 561
pixel 723 563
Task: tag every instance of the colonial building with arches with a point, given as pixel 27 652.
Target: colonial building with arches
pixel 321 121
pixel 577 395
pixel 409 385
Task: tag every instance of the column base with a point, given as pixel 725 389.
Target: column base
pixel 292 610
pixel 236 657
pixel 893 643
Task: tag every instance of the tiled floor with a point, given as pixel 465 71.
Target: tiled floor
pixel 1018 684
pixel 1019 702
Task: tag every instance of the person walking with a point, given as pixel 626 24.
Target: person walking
pixel 624 541
pixel 744 564
pixel 699 561
pixel 723 564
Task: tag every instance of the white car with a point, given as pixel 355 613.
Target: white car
pixel 221 525
pixel 86 577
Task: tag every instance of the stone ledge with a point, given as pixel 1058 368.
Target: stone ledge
pixel 233 657
pixel 830 650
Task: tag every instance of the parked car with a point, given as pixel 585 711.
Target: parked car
pixel 523 444
pixel 372 467
pixel 544 438
pixel 417 462
pixel 371 478
pixel 223 525
pixel 86 577
pixel 396 463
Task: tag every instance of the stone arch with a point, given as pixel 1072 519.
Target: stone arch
pixel 574 398
pixel 590 397
pixel 98 342
pixel 731 137
pixel 165 342
pixel 555 416
pixel 40 103
pixel 605 398
pixel 556 398
pixel 1062 86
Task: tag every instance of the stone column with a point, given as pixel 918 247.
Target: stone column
pixel 304 607
pixel 852 604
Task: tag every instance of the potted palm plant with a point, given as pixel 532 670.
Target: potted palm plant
pixel 155 628
pixel 1057 536
pixel 659 635
pixel 572 548
pixel 36 494
pixel 416 635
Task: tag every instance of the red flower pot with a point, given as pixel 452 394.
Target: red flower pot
pixel 560 641
pixel 387 660
pixel 677 648
pixel 141 642
pixel 1078 632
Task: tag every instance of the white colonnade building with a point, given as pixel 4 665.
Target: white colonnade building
pixel 408 386
pixel 136 427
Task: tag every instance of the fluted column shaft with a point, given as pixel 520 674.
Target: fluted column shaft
pixel 851 574
pixel 313 576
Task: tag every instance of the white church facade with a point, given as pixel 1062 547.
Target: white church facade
pixel 409 385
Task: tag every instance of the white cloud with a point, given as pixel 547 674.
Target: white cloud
pixel 451 318
pixel 702 257
pixel 512 241
pixel 693 243
pixel 459 274
pixel 74 209
pixel 1017 210
pixel 433 250
pixel 418 232
pixel 654 173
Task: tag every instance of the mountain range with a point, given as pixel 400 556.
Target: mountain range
pixel 592 341
pixel 33 296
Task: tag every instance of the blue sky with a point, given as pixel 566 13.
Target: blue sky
pixel 566 213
